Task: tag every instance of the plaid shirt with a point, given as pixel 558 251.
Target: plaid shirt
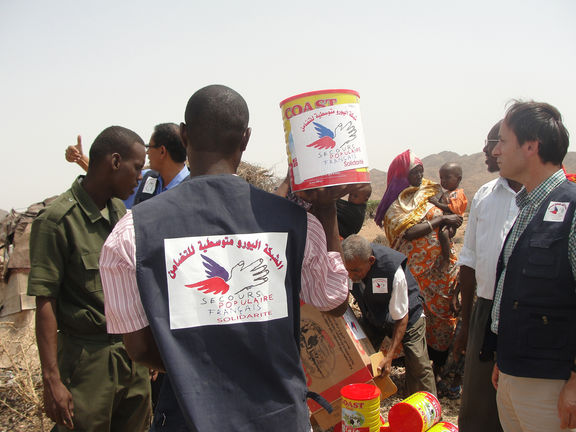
pixel 528 205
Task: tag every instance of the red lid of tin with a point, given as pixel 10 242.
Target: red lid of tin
pixel 360 392
pixel 317 92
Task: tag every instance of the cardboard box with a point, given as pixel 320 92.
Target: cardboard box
pixel 366 350
pixel 335 352
pixel 363 344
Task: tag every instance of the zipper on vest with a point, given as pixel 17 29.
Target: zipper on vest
pixel 516 304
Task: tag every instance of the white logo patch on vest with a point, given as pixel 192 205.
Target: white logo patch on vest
pixel 150 185
pixel 380 285
pixel 556 211
pixel 227 279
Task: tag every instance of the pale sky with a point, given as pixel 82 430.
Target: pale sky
pixel 432 76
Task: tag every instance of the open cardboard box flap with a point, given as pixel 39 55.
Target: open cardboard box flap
pixel 335 352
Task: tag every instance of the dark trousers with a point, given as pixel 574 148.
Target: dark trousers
pixel 167 414
pixel 478 410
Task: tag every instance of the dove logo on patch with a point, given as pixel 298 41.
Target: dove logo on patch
pixel 254 274
pixel 223 280
pixel 380 285
pixel 556 211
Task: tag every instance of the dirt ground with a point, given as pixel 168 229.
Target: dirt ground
pixel 21 385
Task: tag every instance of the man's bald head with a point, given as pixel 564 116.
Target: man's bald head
pixel 216 120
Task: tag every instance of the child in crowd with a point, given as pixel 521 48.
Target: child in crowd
pixel 351 213
pixel 452 201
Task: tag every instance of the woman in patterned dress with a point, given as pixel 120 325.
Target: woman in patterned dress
pixel 411 224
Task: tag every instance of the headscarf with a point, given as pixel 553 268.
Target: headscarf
pixel 408 210
pixel 396 181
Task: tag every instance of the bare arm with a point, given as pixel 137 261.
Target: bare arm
pixel 57 399
pixel 141 348
pixel 444 207
pixel 340 310
pixel 327 217
pixel 467 289
pixel 83 162
pixel 75 154
pixel 423 228
pixel 284 187
pixel 397 336
pixel 440 201
pixel 495 376
pixel 324 208
pixel 567 403
pixel 326 214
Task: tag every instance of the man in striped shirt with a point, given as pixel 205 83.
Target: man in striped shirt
pixel 190 330
pixel 534 310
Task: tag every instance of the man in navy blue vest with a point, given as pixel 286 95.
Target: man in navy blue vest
pixel 534 311
pixel 390 302
pixel 204 281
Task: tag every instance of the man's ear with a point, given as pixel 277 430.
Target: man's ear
pixel 531 147
pixel 116 159
pixel 245 138
pixel 372 260
pixel 183 135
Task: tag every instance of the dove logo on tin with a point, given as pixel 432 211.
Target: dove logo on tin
pixel 327 141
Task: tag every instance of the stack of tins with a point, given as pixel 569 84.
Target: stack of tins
pixel 361 408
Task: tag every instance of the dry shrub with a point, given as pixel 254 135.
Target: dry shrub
pixel 258 176
pixel 381 239
pixel 371 207
pixel 20 380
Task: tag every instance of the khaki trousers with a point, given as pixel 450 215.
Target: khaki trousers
pixel 528 404
pixel 419 373
pixel 109 391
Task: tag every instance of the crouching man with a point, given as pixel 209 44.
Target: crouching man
pixel 389 299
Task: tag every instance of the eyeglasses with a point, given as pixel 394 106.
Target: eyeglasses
pixel 148 146
pixel 491 141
